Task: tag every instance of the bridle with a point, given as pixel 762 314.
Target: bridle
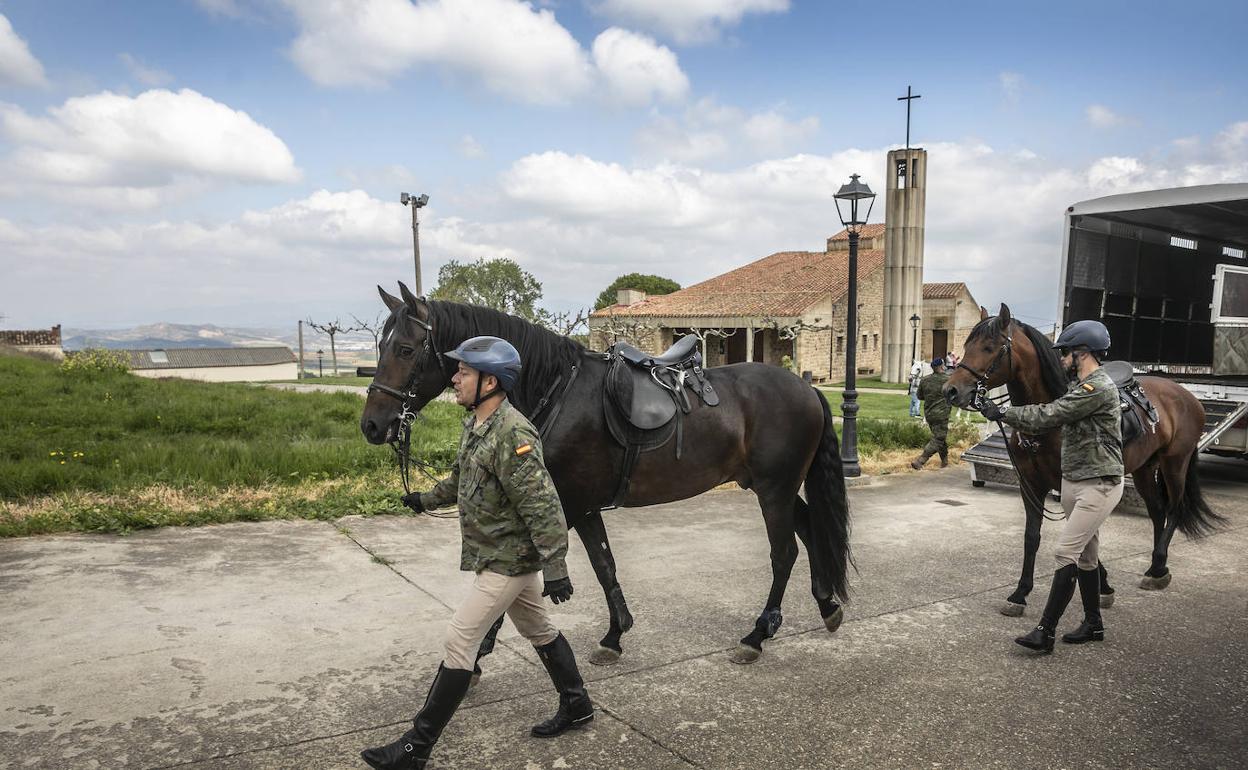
pixel 980 397
pixel 402 444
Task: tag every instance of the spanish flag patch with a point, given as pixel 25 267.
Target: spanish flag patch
pixel 523 450
pixel 1086 386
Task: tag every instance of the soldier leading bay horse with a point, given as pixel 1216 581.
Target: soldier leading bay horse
pixel 770 433
pixel 1003 351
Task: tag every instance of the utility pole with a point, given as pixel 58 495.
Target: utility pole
pixel 416 202
pixel 302 373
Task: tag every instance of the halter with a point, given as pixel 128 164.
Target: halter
pixel 977 403
pixel 402 443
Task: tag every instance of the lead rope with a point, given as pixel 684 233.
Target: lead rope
pixel 981 395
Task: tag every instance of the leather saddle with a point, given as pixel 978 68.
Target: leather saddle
pixel 1138 413
pixel 647 396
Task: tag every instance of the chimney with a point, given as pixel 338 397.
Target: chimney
pixel 629 296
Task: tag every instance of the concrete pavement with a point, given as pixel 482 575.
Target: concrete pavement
pixel 294 644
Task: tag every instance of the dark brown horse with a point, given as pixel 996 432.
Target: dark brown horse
pixel 1162 462
pixel 770 433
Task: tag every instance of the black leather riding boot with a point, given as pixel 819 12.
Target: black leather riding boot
pixel 1041 637
pixel 412 750
pixel 1091 629
pixel 575 707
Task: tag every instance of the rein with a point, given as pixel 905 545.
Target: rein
pixel 977 403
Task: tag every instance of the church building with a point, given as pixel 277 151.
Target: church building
pixel 790 308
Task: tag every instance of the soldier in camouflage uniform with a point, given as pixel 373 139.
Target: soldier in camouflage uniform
pixel 936 412
pixel 514 539
pixel 1091 476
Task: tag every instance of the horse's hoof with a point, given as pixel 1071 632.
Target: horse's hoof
pixel 604 656
pixel 1155 583
pixel 744 654
pixel 834 621
pixel 1013 609
pixel 476 677
pixel 1107 601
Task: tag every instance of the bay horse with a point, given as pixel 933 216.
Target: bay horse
pixel 1001 350
pixel 771 432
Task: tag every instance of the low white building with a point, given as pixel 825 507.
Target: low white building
pixel 259 364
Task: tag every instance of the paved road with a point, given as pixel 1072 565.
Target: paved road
pixel 293 644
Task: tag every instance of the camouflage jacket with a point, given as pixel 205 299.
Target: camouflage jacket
pixel 932 394
pixel 509 513
pixel 1088 415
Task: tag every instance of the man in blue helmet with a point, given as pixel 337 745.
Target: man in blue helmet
pixel 514 539
pixel 1091 476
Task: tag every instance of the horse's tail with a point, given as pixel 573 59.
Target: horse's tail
pixel 829 514
pixel 1192 514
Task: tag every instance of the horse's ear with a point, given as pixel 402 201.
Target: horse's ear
pixel 983 312
pixel 391 301
pixel 414 303
pixel 1004 315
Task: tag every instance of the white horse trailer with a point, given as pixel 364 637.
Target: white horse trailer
pixel 1166 271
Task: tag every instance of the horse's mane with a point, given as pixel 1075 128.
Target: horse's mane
pixel 1051 373
pixel 544 355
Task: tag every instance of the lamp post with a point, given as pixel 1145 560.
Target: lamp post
pixel 416 202
pixel 914 342
pixel 853 193
pixel 320 363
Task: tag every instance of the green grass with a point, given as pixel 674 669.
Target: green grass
pixel 876 382
pixel 101 450
pixel 884 422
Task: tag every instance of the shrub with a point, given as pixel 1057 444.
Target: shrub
pixel 94 361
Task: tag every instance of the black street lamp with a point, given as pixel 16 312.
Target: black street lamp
pixel 417 202
pixel 914 343
pixel 320 363
pixel 852 193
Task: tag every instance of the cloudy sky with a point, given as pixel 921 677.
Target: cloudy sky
pixel 239 162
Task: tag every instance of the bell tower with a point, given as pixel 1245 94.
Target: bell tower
pixel 904 217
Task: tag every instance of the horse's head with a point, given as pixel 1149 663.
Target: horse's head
pixel 409 369
pixel 985 358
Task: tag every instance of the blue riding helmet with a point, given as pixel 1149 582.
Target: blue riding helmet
pixel 490 355
pixel 938 361
pixel 1084 334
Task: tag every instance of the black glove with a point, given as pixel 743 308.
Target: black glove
pixel 991 410
pixel 558 590
pixel 413 501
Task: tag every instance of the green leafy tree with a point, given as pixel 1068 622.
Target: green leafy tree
pixel 650 284
pixel 500 284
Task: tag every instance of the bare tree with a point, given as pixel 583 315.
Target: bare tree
pixel 705 334
pixel 332 329
pixel 566 324
pixel 374 328
pixel 635 330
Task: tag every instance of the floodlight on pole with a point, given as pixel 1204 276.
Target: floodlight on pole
pixel 416 202
pixel 852 193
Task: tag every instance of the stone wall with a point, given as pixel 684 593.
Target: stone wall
pixel 817 348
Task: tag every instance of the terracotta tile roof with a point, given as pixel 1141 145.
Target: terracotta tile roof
pixel 943 290
pixel 866 231
pixel 783 285
pixel 40 337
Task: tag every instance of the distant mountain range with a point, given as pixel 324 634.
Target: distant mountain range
pixel 168 335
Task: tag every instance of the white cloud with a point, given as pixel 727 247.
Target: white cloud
pixel 708 130
pixel 514 49
pixel 773 132
pixel 470 148
pixel 1101 116
pixel 686 21
pixel 637 69
pixel 18 66
pixel 1012 85
pixel 135 151
pixel 148 76
pixel 576 223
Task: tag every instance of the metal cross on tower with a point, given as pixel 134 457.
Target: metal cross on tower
pixel 907 99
